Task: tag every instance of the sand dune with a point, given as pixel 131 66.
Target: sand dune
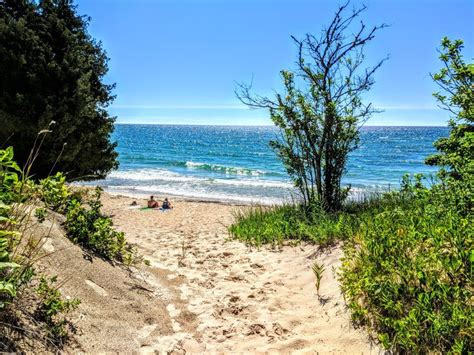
pixel 231 298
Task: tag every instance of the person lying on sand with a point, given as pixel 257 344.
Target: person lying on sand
pixel 152 203
pixel 166 204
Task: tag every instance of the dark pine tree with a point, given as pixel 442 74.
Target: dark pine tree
pixel 51 69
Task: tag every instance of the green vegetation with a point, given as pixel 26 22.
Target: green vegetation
pixel 8 281
pixel 55 74
pixel 18 254
pixel 20 250
pixel 54 192
pixel 53 308
pixel 318 271
pixel 274 225
pixel 87 226
pixel 456 80
pixel 408 254
pixel 407 271
pixel 15 266
pixel 408 258
pixel 321 110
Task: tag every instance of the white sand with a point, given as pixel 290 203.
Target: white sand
pixel 230 298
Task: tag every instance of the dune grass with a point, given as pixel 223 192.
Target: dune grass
pixel 407 266
pixel 260 225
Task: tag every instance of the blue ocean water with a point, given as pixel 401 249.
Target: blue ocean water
pixel 236 163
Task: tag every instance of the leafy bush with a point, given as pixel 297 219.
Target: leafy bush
pixel 54 192
pixel 17 255
pixel 53 308
pixel 9 171
pixel 8 283
pixel 8 179
pixel 86 226
pixel 407 271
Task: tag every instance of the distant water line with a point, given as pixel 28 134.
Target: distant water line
pixel 229 163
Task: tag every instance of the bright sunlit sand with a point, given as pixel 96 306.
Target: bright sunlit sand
pixel 228 297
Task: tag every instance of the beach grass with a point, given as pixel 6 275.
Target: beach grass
pixel 406 271
pixel 260 225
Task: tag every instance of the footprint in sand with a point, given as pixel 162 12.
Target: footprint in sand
pixel 256 328
pixel 257 266
pixel 226 254
pixel 233 307
pixel 208 284
pixel 235 278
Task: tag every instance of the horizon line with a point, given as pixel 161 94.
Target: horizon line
pixel 244 107
pixel 257 125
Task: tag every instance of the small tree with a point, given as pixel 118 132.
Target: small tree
pixel 53 70
pixel 456 79
pixel 321 110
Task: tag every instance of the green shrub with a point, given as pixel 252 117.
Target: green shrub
pixel 40 214
pixel 8 235
pixel 53 308
pixel 9 175
pixel 54 192
pixel 407 271
pixel 18 253
pixel 17 256
pixel 86 226
pixel 8 284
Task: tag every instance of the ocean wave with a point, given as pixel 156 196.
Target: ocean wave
pixel 228 170
pixel 166 176
pixel 142 174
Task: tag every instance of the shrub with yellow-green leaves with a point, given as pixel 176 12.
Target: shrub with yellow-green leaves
pixel 407 272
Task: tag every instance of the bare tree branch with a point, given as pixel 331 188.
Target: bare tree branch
pixel 321 111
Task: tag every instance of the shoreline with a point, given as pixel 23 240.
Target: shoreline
pixel 181 198
pixel 355 196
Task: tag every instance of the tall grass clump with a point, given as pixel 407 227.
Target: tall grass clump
pixel 407 271
pixel 259 225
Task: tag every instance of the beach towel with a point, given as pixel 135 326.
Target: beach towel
pixel 150 209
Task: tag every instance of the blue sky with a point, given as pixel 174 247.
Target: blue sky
pixel 178 61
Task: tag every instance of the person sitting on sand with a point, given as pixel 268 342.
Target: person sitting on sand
pixel 166 204
pixel 152 203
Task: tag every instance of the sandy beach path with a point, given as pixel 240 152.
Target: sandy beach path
pixel 233 298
